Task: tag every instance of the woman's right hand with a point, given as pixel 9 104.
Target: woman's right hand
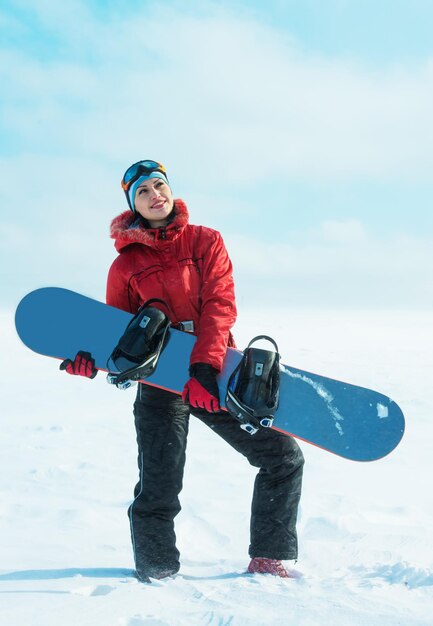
pixel 82 365
pixel 201 391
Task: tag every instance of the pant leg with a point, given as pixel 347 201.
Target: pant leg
pixel 161 421
pixel 277 487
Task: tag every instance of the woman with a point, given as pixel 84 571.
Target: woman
pixel 161 255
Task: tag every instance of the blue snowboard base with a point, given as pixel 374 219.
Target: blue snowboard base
pixel 353 422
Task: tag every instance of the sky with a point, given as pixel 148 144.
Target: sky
pixel 301 130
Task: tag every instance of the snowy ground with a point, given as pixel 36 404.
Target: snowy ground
pixel 68 466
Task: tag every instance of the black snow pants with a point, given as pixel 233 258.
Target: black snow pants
pixel 161 421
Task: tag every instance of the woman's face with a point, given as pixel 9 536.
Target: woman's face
pixel 154 201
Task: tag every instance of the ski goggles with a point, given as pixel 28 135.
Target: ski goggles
pixel 141 168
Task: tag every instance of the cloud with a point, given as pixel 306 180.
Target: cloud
pixel 227 102
pixel 201 88
pixel 337 265
pixel 346 231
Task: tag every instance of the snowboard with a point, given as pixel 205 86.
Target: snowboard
pixel 353 422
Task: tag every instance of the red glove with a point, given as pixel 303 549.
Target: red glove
pixel 201 391
pixel 82 365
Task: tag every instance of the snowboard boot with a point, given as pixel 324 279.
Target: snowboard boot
pixel 144 578
pixel 261 565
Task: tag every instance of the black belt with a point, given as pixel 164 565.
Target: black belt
pixel 186 327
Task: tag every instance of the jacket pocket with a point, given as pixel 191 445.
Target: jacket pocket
pixel 191 280
pixel 149 282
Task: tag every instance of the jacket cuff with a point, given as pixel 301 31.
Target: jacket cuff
pixel 202 368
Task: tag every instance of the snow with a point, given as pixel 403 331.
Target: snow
pixel 382 411
pixel 323 393
pixel 69 467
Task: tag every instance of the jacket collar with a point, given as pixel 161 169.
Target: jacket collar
pixel 127 229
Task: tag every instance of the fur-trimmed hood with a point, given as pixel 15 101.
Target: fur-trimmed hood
pixel 127 229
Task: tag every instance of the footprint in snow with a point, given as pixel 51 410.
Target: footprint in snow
pixel 99 590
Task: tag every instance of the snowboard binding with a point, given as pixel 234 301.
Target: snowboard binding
pixel 137 352
pixel 253 388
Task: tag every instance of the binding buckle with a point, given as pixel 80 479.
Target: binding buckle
pixel 186 327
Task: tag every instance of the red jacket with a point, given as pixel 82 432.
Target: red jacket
pixel 186 266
